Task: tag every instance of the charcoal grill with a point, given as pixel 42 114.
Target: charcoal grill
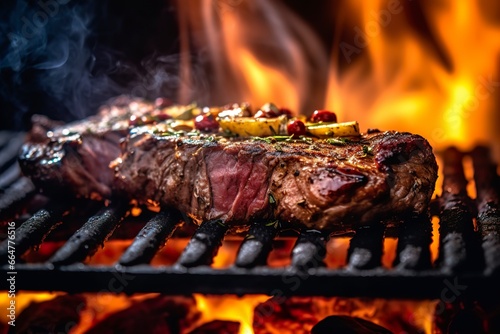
pixel 468 261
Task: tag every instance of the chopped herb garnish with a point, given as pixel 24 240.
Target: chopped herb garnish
pixel 228 134
pixel 165 133
pixel 306 139
pixel 264 139
pixel 273 139
pixel 338 141
pixel 274 223
pixel 278 147
pixel 367 150
pixel 221 223
pixel 272 200
pixel 283 138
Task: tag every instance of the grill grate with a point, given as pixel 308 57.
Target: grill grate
pixel 488 203
pixel 467 258
pixel 256 247
pixel 151 238
pixel 13 188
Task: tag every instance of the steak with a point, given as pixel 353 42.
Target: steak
pixel 330 184
pixel 74 158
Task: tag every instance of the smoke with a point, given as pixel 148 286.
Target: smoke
pixel 53 61
pixel 46 56
pixel 159 76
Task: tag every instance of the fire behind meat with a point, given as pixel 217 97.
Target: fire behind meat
pixel 333 184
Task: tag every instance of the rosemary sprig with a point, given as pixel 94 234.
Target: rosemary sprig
pixel 274 139
pixel 338 141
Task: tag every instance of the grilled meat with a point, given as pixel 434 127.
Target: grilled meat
pixel 75 157
pixel 327 184
pixel 331 184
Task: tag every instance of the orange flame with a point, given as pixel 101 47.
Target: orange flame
pixel 231 308
pixel 431 68
pixel 259 51
pixel 440 81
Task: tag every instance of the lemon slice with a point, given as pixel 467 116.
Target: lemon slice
pixel 325 130
pixel 254 127
pixel 182 112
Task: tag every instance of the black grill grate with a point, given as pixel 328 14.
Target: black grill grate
pixel 468 258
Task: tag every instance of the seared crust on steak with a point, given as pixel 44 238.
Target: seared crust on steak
pixel 319 184
pixel 75 157
pixel 329 184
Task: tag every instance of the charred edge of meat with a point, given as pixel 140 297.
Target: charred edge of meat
pixel 73 164
pixel 337 187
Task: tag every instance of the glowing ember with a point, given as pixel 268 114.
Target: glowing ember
pixel 229 307
pixel 254 314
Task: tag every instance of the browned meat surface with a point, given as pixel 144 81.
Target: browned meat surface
pixel 75 157
pixel 320 184
pixel 331 184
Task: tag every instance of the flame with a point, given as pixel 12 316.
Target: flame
pixel 231 308
pixel 24 298
pixel 258 51
pixel 291 315
pixel 440 80
pixel 241 309
pixel 431 68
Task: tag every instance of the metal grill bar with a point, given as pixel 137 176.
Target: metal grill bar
pixel 32 232
pixel 309 250
pixel 414 240
pixel 13 187
pixel 366 247
pixel 362 275
pixel 257 245
pixel 488 203
pixel 456 226
pixel 9 176
pixel 204 244
pixel 10 149
pixel 260 280
pixel 151 238
pixel 87 239
pixel 15 194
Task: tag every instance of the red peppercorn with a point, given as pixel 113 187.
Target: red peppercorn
pixel 161 116
pixel 323 116
pixel 206 123
pixel 138 121
pixel 286 111
pixel 133 121
pixel 296 128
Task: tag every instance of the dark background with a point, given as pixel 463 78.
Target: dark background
pixel 64 58
pixel 81 55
